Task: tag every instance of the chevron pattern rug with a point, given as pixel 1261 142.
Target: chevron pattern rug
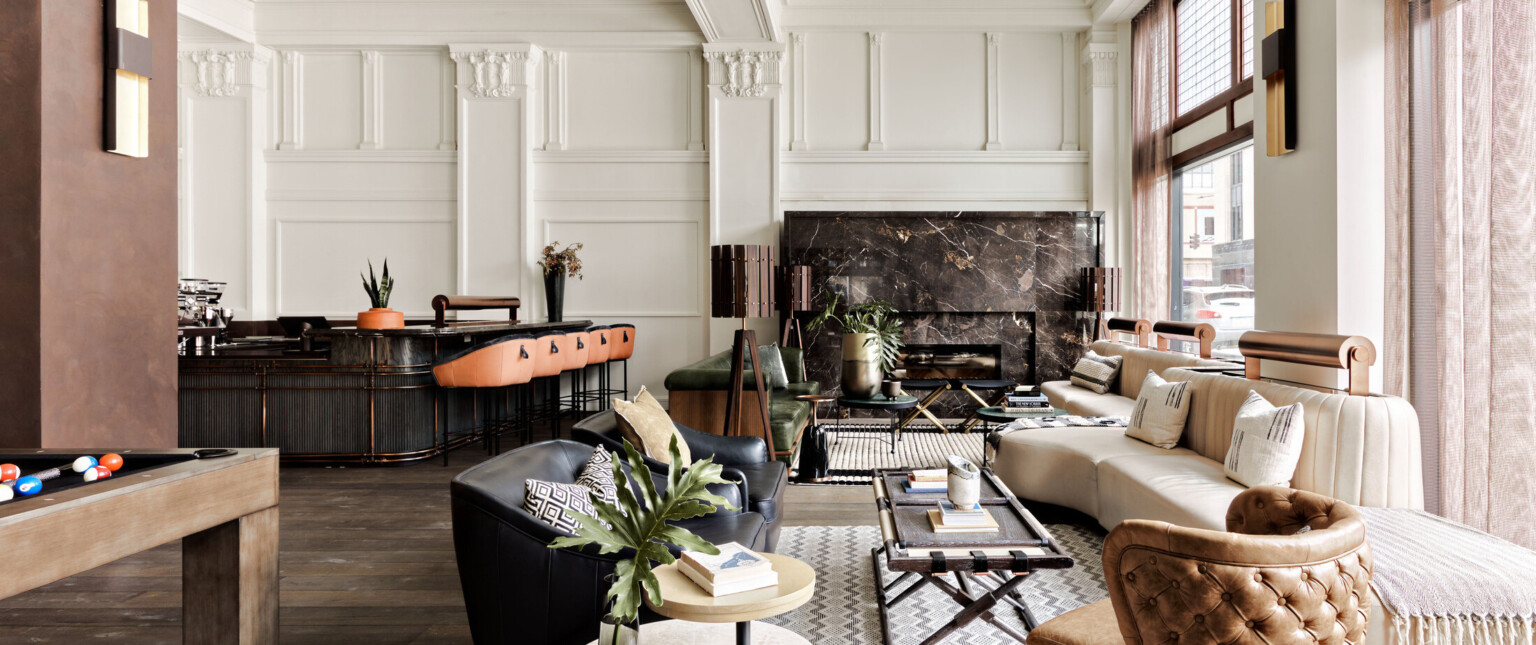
pixel 844 612
pixel 857 450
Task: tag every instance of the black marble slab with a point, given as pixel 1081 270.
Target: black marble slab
pixel 1008 278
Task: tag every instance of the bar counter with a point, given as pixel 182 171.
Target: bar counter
pixel 358 396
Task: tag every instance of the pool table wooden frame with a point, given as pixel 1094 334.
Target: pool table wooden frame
pixel 224 510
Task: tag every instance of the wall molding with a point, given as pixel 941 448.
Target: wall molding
pixel 360 156
pixel 621 156
pixel 220 73
pixel 876 94
pixel 292 108
pixel 994 92
pixel 933 196
pixel 373 101
pixel 495 74
pixel 331 195
pixel 747 73
pixel 797 80
pixel 621 196
pixel 929 157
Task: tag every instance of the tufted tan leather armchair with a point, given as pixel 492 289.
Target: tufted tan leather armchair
pixel 1264 581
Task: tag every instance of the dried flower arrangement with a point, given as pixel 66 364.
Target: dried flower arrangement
pixel 556 262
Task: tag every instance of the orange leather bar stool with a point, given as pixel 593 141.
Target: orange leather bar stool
pixel 550 350
pixel 579 345
pixel 497 364
pixel 622 336
pixel 597 356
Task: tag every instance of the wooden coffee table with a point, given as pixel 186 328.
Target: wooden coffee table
pixel 684 599
pixel 988 567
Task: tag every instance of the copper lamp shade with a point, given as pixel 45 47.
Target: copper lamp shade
pixel 1101 289
pixel 741 281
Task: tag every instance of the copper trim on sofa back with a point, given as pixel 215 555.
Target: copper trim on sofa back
pixel 1353 353
pixel 1202 334
pixel 1140 329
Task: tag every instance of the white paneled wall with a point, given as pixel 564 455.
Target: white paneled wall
pixel 459 162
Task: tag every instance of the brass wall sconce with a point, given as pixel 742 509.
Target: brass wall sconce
pixel 129 66
pixel 1279 71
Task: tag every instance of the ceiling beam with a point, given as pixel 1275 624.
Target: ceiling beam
pixel 737 21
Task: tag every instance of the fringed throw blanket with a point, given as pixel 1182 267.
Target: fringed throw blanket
pixel 1449 584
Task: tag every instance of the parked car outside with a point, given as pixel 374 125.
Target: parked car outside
pixel 1228 308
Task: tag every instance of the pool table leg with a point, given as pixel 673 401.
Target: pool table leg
pixel 229 582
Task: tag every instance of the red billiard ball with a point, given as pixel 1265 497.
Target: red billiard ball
pixel 112 461
pixel 97 472
pixel 9 472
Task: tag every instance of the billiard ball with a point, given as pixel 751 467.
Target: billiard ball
pixel 9 472
pixel 29 485
pixel 97 472
pixel 6 493
pixel 112 461
pixel 83 464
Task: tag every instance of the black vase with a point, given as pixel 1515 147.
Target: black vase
pixel 554 295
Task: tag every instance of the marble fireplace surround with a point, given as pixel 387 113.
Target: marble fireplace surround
pixel 1008 278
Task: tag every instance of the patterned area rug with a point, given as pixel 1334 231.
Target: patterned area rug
pixel 844 612
pixel 858 449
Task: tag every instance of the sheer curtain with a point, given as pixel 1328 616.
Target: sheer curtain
pixel 1151 62
pixel 1461 235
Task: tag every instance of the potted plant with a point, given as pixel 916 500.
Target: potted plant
pixel 380 316
pixel 557 265
pixel 871 340
pixel 640 526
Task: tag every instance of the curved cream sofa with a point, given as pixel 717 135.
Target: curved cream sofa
pixel 1121 398
pixel 1363 450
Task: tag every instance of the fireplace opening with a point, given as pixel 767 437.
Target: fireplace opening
pixel 949 361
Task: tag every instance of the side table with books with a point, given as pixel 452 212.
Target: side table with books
pixel 736 586
pixel 989 553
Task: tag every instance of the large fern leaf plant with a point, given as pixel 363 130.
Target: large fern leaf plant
pixel 641 524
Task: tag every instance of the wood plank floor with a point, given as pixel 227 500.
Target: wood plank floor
pixel 366 557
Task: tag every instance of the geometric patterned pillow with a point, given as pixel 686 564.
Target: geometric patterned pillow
pixel 548 501
pixel 598 476
pixel 1096 373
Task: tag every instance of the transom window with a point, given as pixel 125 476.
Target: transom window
pixel 1208 59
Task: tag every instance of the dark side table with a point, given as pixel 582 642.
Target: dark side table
pixel 892 406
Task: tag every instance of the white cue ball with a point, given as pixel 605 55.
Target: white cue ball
pixel 6 493
pixel 83 464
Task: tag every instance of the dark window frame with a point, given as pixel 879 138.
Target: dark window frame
pixel 1239 85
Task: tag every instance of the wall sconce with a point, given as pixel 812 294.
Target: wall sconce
pixel 129 66
pixel 1279 70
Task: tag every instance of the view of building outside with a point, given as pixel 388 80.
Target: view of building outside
pixel 1213 253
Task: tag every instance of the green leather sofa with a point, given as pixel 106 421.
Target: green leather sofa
pixel 697 395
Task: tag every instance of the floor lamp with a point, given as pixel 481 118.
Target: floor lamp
pixel 741 286
pixel 794 296
pixel 1101 295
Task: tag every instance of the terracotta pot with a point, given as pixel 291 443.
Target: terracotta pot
pixel 380 318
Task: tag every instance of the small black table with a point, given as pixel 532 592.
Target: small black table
pixel 893 406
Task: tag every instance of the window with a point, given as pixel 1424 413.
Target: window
pixel 1205 59
pixel 1212 256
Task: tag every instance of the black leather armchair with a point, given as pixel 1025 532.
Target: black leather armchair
pixel 745 459
pixel 516 588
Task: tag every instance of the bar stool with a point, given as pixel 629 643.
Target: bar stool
pixel 549 353
pixel 496 364
pixel 577 345
pixel 598 356
pixel 623 337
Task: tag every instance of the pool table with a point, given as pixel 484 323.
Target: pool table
pixel 224 510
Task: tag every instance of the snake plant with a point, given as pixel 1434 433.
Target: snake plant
pixel 378 290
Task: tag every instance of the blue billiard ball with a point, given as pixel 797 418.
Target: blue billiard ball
pixel 29 485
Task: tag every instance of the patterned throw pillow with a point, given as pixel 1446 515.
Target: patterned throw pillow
pixel 648 426
pixel 598 476
pixel 1096 373
pixel 1160 412
pixel 548 502
pixel 1266 443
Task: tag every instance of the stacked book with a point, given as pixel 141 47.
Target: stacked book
pixel 1026 403
pixel 734 570
pixel 948 518
pixel 928 481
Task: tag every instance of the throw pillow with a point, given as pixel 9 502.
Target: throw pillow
pixel 548 502
pixel 598 476
pixel 1096 373
pixel 1160 412
pixel 774 374
pixel 648 426
pixel 1266 443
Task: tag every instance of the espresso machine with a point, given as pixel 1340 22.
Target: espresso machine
pixel 200 321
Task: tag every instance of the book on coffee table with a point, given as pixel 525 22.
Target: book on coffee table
pixel 952 516
pixel 936 518
pixel 735 569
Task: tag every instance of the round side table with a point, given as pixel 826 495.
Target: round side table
pixel 893 406
pixel 814 458
pixel 684 599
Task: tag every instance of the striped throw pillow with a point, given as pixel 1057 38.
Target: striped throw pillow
pixel 1266 443
pixel 1160 412
pixel 1096 373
